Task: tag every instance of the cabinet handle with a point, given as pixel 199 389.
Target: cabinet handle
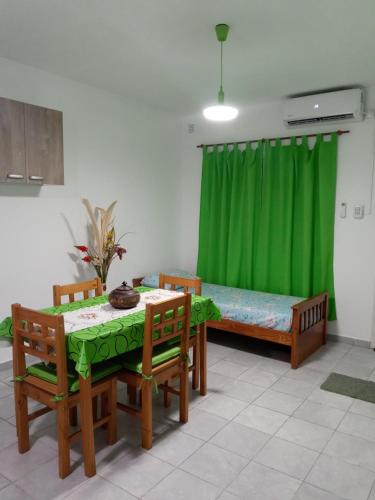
pixel 36 178
pixel 15 176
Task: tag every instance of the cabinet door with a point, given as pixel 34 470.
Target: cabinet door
pixel 12 141
pixel 44 145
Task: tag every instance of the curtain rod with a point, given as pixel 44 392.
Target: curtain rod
pixel 339 132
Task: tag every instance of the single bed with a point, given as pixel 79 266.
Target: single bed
pixel 292 321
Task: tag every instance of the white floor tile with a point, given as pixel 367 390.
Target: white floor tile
pixel 331 399
pixel 259 377
pixel 97 488
pixel 136 472
pixel 14 465
pixel 352 369
pixel 295 387
pixel 215 465
pixel 228 369
pixel 244 358
pixel 262 419
pixel 182 486
pixel 306 434
pixel 238 389
pixel 6 390
pixel 320 414
pixel 274 366
pixel 43 483
pixel 278 401
pixel 223 406
pixel 348 481
pixel 352 449
pixel 294 460
pixel 239 439
pixel 11 492
pixel 363 408
pixel 7 434
pixel 358 425
pixel 257 482
pixel 202 424
pixel 309 492
pixel 305 374
pixel 174 447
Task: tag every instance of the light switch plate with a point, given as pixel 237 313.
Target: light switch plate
pixel 359 211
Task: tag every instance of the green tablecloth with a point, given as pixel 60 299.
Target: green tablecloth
pixel 105 341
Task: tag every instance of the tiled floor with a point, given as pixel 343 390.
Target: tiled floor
pixel 263 432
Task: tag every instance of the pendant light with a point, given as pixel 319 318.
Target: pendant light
pixel 221 112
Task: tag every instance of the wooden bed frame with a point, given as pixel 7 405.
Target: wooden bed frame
pixel 308 332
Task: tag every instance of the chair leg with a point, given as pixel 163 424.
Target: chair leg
pixel 184 393
pixel 196 360
pixel 73 416
pixel 167 395
pixel 132 394
pixel 147 415
pixel 22 422
pixel 112 410
pixel 63 438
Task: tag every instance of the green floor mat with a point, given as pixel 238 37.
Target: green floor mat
pixel 350 386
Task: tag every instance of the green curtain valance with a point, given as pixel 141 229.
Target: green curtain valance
pixel 267 216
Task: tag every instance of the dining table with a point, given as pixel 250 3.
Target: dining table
pixel 87 344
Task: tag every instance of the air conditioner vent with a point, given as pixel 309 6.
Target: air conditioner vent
pixel 306 121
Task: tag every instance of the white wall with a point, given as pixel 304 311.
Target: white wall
pixel 114 150
pixel 354 239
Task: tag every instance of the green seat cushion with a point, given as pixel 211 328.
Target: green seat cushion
pixel 133 359
pixel 99 371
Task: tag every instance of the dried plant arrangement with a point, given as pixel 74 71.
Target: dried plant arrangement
pixel 104 247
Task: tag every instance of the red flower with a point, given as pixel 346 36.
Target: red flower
pixel 87 258
pixel 82 248
pixel 120 251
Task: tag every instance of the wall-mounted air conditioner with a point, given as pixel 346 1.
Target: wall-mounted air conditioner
pixel 328 107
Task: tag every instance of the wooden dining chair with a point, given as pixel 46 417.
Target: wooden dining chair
pixel 192 285
pixel 52 384
pixel 70 290
pixel 74 292
pixel 158 361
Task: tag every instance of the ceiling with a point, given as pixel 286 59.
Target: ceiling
pixel 164 52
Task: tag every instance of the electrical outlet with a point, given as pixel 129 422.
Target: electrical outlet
pixel 359 211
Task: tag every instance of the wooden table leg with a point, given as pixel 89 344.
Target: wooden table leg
pixel 87 426
pixel 203 359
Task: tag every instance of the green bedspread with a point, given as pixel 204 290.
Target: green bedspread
pixel 108 340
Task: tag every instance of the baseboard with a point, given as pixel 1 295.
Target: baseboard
pixel 348 340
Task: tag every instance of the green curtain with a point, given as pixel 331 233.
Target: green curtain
pixel 267 217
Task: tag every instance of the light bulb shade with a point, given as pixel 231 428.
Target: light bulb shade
pixel 220 113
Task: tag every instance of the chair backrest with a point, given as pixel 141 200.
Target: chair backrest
pixel 83 287
pixel 174 282
pixel 164 321
pixel 42 336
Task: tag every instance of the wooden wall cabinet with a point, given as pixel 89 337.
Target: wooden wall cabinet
pixel 31 144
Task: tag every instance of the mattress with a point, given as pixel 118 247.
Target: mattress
pixel 267 310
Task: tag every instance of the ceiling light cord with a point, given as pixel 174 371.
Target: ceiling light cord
pixel 221 91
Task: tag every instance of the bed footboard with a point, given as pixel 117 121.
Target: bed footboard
pixel 309 327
